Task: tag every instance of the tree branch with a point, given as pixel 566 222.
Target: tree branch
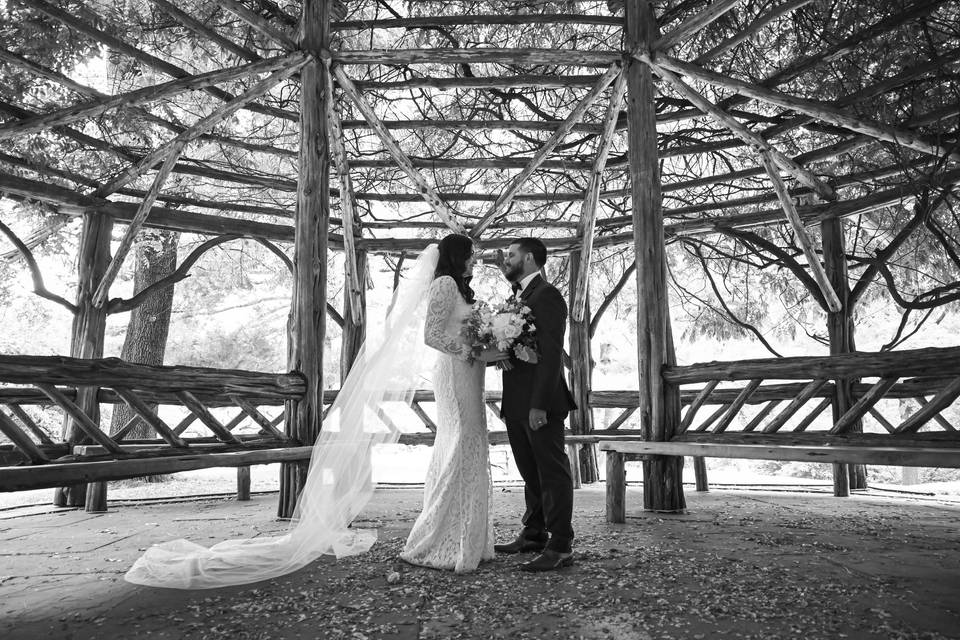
pixel 38 287
pixel 610 297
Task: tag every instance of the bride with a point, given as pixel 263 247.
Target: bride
pixel 454 529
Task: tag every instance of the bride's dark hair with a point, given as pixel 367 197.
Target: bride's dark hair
pixel 454 251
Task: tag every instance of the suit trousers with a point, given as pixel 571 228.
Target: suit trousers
pixel 541 458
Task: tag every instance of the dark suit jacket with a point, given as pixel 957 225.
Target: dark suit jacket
pixel 542 385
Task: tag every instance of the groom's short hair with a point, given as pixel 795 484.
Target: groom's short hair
pixel 534 246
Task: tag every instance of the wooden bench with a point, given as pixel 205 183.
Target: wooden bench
pixel 919 450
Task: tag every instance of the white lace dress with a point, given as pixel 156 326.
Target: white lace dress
pixel 454 530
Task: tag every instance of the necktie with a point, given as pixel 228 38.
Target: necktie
pixel 516 288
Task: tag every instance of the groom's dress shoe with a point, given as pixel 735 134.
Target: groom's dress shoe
pixel 549 560
pixel 520 545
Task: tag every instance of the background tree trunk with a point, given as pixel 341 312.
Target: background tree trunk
pixel 146 339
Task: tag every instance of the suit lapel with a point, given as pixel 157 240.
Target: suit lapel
pixel 536 282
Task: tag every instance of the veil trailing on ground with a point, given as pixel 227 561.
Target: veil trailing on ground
pixel 391 365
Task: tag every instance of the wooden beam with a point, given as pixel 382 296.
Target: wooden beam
pixel 259 23
pixel 196 407
pixel 819 110
pixel 251 410
pixel 142 96
pixel 867 400
pixel 691 412
pixel 203 125
pixel 938 403
pixel 528 56
pixel 888 455
pixel 751 29
pixel 506 197
pixel 736 405
pixel 587 226
pixel 133 228
pixel 801 399
pixel 790 210
pixel 147 414
pixel 29 423
pixel 478 20
pixel 928 362
pixel 442 210
pixel 759 144
pixel 80 419
pixel 20 440
pixel 474 82
pixel 348 215
pixel 692 25
pixel 205 32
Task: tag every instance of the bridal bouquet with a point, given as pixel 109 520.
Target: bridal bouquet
pixel 507 326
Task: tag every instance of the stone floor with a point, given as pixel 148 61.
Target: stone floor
pixel 740 564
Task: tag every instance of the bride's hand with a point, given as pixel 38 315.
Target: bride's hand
pixel 493 355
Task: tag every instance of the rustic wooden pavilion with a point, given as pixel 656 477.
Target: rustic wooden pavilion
pixel 595 125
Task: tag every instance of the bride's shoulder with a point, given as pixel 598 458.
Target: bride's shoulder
pixel 443 282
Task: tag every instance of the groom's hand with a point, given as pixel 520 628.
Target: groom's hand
pixel 538 418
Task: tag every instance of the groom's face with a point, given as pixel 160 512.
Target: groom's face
pixel 514 263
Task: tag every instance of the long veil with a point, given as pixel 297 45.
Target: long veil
pixel 390 366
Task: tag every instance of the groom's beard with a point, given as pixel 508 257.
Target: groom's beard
pixel 513 273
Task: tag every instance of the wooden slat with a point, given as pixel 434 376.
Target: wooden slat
pixel 623 417
pixel 929 410
pixel 462 19
pixel 28 422
pixel 528 56
pixel 943 422
pixel 139 407
pixel 21 440
pixel 259 23
pixel 851 454
pixel 417 409
pixel 55 475
pixel 879 417
pixel 235 421
pixel 696 404
pixel 736 405
pixel 257 417
pixel 126 429
pixel 810 417
pixel 703 426
pixel 859 408
pixel 801 399
pixel 763 413
pixel 196 407
pixel 183 424
pixel 81 419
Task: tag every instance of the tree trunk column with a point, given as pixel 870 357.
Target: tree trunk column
pixel 840 332
pixel 89 325
pixel 581 375
pixel 659 404
pixel 308 326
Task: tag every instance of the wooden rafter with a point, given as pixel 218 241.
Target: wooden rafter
pixel 259 23
pixel 551 57
pixel 745 34
pixel 203 125
pixel 349 218
pixel 133 228
pixel 819 110
pixel 429 194
pixel 790 211
pixel 202 30
pixel 693 24
pixel 506 197
pixel 750 138
pixel 586 228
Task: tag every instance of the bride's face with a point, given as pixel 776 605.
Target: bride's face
pixel 468 266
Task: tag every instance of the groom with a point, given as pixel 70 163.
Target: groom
pixel 535 403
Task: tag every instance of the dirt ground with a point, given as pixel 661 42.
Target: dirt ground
pixel 740 564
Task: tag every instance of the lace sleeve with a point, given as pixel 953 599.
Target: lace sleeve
pixel 442 302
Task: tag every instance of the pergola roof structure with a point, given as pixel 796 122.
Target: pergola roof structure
pixel 369 126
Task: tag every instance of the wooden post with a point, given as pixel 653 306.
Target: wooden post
pixel 243 484
pixel 659 404
pixel 581 373
pixel 310 252
pixel 89 324
pixel 840 332
pixel 700 473
pixel 616 487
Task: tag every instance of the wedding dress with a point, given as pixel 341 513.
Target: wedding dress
pixel 454 530
pixel 392 364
